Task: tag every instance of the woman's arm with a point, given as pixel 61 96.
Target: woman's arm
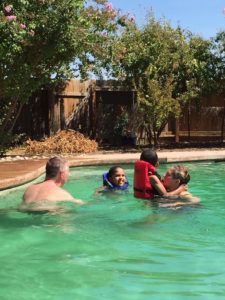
pixel 157 184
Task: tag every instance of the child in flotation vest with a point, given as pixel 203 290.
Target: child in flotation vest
pixel 147 182
pixel 114 179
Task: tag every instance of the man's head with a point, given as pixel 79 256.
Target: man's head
pixel 57 168
pixel 176 176
pixel 150 156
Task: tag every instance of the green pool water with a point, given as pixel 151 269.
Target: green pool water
pixel 116 247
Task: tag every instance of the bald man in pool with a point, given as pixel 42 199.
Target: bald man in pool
pixel 50 190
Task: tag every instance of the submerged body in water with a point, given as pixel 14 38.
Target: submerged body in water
pixel 38 197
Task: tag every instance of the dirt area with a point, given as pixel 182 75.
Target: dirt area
pixel 20 153
pixel 172 147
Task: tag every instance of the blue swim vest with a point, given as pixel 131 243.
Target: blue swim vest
pixel 111 186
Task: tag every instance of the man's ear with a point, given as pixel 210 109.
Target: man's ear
pixel 157 164
pixel 62 175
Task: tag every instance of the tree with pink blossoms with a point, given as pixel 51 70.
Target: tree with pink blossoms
pixel 44 42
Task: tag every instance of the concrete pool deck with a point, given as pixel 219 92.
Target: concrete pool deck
pixel 21 171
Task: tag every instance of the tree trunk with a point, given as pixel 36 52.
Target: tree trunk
pixel 189 121
pixel 160 130
pixel 16 117
pixel 177 130
pixel 9 115
pixel 149 134
pixel 154 130
pixel 93 112
pixel 156 140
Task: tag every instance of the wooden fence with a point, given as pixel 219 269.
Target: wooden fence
pixel 93 108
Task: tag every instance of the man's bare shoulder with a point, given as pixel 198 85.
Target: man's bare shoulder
pixel 66 196
pixel 30 192
pixel 45 191
pixel 37 193
pixel 32 187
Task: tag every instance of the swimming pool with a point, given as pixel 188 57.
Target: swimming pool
pixel 116 246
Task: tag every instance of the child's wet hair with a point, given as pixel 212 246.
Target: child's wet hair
pixel 150 156
pixel 112 170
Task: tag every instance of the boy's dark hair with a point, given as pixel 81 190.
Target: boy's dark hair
pixel 150 156
pixel 53 166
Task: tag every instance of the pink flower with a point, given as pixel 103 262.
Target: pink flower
pixel 11 18
pixel 108 6
pixel 224 10
pixel 8 8
pixel 23 26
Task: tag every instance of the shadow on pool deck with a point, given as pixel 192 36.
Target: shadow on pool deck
pixel 14 173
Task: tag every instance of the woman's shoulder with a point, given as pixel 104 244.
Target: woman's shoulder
pixel 186 195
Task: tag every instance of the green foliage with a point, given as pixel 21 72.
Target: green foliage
pixel 10 140
pixel 157 103
pixel 121 123
pixel 218 65
pixel 46 41
pixel 45 38
pixel 166 66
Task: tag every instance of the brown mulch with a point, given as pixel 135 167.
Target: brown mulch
pixel 66 141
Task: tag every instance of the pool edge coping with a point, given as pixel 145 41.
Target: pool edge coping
pixel 10 183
